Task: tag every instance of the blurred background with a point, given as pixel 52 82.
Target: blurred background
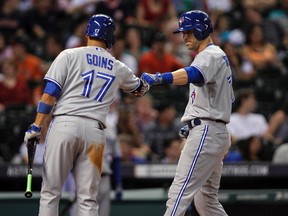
pixel 254 35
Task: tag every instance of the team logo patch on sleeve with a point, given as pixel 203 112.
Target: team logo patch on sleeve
pixel 193 96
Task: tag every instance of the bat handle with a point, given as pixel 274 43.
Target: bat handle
pixel 28 192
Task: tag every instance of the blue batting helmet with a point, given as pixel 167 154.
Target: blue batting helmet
pixel 195 20
pixel 102 27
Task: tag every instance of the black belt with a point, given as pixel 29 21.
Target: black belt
pixel 101 126
pixel 197 121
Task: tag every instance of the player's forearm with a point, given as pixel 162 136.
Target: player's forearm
pixel 47 101
pixel 40 118
pixel 180 77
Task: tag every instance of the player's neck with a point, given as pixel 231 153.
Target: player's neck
pixel 208 41
pixel 97 43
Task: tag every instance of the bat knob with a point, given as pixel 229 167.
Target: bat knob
pixel 28 194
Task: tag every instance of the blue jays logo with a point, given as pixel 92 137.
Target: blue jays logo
pixel 181 20
pixel 193 96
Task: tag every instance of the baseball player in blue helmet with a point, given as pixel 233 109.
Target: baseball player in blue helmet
pixel 198 21
pixel 101 27
pixel 81 84
pixel 207 112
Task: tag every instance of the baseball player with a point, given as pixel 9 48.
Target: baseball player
pixel 80 86
pixel 206 115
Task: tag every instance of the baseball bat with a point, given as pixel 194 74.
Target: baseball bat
pixel 31 148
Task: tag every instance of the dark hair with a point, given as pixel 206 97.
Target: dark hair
pixel 163 106
pixel 168 143
pixel 242 94
pixel 22 40
pixel 244 147
pixel 218 20
pixel 157 36
pixel 249 31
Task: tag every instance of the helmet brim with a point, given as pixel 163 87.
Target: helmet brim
pixel 178 30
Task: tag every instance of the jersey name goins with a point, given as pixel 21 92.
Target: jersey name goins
pixel 99 61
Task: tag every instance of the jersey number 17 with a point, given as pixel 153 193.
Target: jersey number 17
pixel 89 78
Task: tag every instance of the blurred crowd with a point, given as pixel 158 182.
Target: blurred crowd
pixel 253 33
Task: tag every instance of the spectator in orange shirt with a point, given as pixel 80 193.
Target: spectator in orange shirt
pixel 259 51
pixel 157 59
pixel 30 67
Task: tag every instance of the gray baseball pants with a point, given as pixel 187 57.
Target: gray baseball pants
pixel 198 171
pixel 104 196
pixel 72 143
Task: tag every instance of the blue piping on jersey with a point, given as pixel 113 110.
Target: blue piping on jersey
pixel 190 171
pixel 54 81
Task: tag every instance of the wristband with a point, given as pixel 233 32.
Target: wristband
pixel 44 108
pixel 35 128
pixel 167 78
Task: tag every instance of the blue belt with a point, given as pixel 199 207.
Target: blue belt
pixel 197 121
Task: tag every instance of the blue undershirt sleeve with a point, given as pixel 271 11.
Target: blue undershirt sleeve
pixel 52 89
pixel 194 75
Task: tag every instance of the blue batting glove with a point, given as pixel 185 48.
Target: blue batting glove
pixel 32 132
pixel 184 131
pixel 152 79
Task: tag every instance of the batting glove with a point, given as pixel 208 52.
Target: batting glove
pixel 152 79
pixel 32 132
pixel 184 131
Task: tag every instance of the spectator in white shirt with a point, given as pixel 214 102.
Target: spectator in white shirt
pixel 244 123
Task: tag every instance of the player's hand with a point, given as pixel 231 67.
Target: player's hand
pixel 152 79
pixel 32 132
pixel 184 131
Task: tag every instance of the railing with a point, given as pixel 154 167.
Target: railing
pixel 234 176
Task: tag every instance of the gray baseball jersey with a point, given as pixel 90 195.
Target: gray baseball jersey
pixel 89 78
pixel 214 99
pixel 199 168
pixel 88 89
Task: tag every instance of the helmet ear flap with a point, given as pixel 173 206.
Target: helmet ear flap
pixel 110 37
pixel 200 31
